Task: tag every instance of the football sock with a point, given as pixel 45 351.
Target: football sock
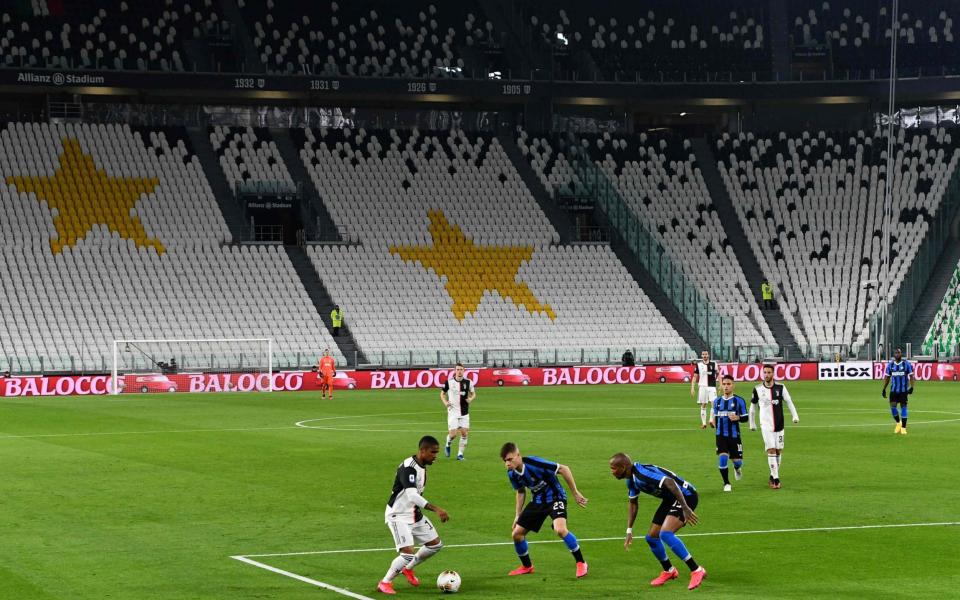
pixel 573 545
pixel 671 539
pixel 423 554
pixel 779 461
pixel 523 552
pixel 463 444
pixel 724 471
pixel 449 439
pixel 656 546
pixel 703 414
pixel 893 411
pixel 737 463
pixel 774 466
pixel 398 564
pixel 903 416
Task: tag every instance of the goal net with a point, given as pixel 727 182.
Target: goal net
pixel 211 365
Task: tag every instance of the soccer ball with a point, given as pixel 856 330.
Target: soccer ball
pixel 448 582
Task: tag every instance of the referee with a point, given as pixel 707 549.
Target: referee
pixel 900 373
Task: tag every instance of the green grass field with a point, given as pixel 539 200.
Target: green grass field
pixel 145 497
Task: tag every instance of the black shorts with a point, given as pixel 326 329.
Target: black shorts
pixel 670 507
pixel 730 445
pixel 900 397
pixel 535 514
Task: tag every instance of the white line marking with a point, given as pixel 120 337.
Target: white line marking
pixel 620 538
pixel 474 429
pixel 46 435
pixel 319 584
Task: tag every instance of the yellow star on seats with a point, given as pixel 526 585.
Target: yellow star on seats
pixel 471 269
pixel 84 196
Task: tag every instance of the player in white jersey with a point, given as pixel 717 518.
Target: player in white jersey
pixel 769 398
pixel 457 395
pixel 703 386
pixel 405 519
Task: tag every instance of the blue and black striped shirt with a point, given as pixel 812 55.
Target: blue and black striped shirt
pixel 540 475
pixel 723 408
pixel 899 373
pixel 648 479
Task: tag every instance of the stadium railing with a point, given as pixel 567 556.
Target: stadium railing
pixel 914 283
pixel 715 328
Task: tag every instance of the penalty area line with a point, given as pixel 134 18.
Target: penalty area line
pixel 620 538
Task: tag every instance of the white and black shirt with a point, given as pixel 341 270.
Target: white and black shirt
pixel 457 393
pixel 706 373
pixel 407 497
pixel 770 401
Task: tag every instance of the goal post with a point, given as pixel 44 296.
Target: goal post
pixel 183 365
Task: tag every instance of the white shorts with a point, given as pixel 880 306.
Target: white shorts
pixel 707 395
pixel 772 439
pixel 406 534
pixel 456 422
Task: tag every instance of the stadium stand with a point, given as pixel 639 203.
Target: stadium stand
pixel 248 155
pixel 657 175
pixel 411 39
pixel 812 205
pixel 431 208
pixel 112 232
pixel 659 39
pixel 105 34
pixel 858 33
pixel 944 332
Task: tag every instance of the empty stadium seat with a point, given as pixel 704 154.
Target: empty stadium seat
pixel 73 285
pixel 812 205
pixel 398 196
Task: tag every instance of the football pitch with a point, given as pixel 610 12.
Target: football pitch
pixel 225 496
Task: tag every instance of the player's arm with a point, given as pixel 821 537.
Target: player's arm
pixel 521 498
pixel 443 395
pixel 472 394
pixel 741 411
pixel 632 507
pixel 793 409
pixel 710 420
pixel 410 489
pixel 694 380
pixel 754 401
pixel 911 378
pixel 886 381
pixel 565 472
pixel 671 486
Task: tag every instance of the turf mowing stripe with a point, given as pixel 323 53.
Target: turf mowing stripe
pixel 319 584
pixel 620 538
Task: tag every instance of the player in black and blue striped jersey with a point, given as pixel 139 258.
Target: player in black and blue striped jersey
pixel 727 412
pixel 900 378
pixel 678 498
pixel 539 475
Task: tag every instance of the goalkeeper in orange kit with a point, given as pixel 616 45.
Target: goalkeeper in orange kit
pixel 327 369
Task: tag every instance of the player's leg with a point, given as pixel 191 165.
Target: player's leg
pixel 403 541
pixel 656 546
pixel 736 457
pixel 778 446
pixel 452 426
pixel 671 524
pixel 426 534
pixel 723 458
pixel 903 414
pixel 723 463
pixel 558 513
pixel 704 401
pixel 895 413
pixel 463 430
pixel 531 519
pixel 770 444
